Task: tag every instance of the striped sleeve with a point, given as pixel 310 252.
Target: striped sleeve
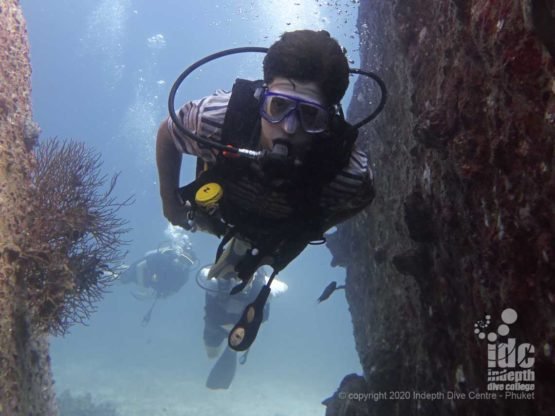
pixel 205 118
pixel 350 191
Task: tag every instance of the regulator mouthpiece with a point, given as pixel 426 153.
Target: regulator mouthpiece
pixel 279 162
pixel 281 148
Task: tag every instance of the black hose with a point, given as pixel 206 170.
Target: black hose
pixel 383 97
pixel 217 55
pixel 185 74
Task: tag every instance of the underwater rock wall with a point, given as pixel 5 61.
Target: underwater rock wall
pixel 25 377
pixel 463 221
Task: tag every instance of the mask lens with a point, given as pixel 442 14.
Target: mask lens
pixel 276 108
pixel 314 119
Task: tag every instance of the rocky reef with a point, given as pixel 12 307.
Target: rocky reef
pixel 25 381
pixel 61 235
pixel 462 226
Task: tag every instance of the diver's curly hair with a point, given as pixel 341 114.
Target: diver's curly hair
pixel 308 55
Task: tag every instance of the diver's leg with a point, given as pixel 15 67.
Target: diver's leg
pixel 214 336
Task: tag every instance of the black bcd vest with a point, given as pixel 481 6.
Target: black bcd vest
pixel 329 154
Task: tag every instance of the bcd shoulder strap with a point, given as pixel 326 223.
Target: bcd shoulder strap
pixel 242 118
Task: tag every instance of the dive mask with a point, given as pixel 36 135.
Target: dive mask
pixel 275 107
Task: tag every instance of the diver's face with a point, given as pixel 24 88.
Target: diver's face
pixel 290 127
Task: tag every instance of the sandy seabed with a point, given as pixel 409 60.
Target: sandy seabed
pixel 142 391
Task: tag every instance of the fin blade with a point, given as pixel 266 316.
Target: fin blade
pixel 222 373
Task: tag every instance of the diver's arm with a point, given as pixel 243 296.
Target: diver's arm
pixel 356 183
pixel 350 206
pixel 204 117
pixel 168 162
pixel 201 117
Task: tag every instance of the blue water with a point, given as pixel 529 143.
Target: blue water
pixel 102 71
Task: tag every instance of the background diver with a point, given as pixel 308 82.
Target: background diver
pixel 160 273
pixel 309 178
pixel 221 312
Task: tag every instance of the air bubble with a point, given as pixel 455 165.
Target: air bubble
pixel 156 42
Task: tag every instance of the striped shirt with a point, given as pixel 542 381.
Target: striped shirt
pixel 349 192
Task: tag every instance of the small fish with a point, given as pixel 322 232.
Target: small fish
pixel 332 287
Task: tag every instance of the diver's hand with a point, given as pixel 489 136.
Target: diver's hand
pixel 176 212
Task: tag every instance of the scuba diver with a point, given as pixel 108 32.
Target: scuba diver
pixel 277 164
pixel 221 312
pixel 160 273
